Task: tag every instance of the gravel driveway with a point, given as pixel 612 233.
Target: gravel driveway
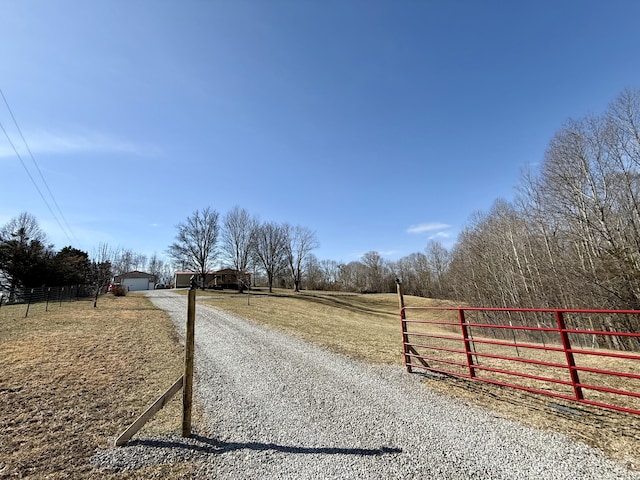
pixel 280 408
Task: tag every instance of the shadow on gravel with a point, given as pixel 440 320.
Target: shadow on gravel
pixel 210 445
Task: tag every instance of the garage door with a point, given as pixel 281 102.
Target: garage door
pixel 134 284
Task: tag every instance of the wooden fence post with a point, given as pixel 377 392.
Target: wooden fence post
pixel 187 388
pixel 26 314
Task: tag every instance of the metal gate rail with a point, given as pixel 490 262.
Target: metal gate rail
pixel 540 353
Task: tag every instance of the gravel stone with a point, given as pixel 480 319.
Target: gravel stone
pixel 280 408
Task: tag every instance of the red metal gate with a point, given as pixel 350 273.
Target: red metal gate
pixel 587 356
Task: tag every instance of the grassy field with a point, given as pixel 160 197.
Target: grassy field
pixel 73 378
pixel 363 327
pixel 367 328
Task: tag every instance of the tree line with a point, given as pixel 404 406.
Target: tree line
pixel 422 273
pixel 242 242
pixel 282 255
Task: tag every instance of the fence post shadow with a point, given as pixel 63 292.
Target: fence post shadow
pixel 209 445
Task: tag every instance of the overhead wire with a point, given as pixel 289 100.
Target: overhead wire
pixel 24 140
pixel 35 184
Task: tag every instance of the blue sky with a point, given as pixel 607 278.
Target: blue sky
pixel 377 124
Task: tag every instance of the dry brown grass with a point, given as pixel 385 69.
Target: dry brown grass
pixel 367 328
pixel 364 327
pixel 72 378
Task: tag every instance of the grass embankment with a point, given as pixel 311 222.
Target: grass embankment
pixel 367 328
pixel 73 378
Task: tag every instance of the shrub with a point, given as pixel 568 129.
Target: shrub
pixel 119 291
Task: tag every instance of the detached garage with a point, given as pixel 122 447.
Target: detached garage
pixel 136 281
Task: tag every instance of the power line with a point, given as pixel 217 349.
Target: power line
pixel 24 140
pixel 34 182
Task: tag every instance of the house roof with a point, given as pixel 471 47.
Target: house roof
pixel 135 274
pixel 227 270
pixel 210 272
pixel 188 272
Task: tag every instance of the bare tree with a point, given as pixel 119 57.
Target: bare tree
pixel 125 260
pixel 313 273
pixel 349 276
pixel 196 242
pixel 22 252
pixel 438 259
pixel 100 270
pixel 270 241
pixel 321 274
pixel 156 266
pixel 167 273
pixel 24 226
pixel 121 260
pixel 378 274
pixel 238 234
pixel 415 274
pixel 330 273
pixel 353 276
pixel 299 242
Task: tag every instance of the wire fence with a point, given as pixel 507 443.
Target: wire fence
pixel 47 297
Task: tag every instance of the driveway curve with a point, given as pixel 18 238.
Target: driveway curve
pixel 280 408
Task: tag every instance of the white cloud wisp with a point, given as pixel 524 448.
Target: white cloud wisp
pixel 427 227
pixel 56 143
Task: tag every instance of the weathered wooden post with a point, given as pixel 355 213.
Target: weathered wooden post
pixel 187 388
pixel 26 314
pixel 185 381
